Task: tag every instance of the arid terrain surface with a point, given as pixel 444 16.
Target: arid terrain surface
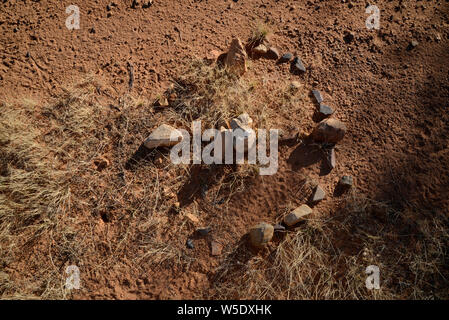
pixel 78 188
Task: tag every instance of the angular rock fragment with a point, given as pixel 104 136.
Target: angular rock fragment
pixel 236 58
pixel 318 194
pixel 317 96
pixel 216 248
pixel 272 53
pixel 346 182
pixel 297 215
pixel 297 67
pixel 261 49
pixel 329 130
pixel 325 111
pixel 261 234
pixel 286 58
pixel 163 136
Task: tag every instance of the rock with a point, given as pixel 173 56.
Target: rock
pixel 295 86
pixel 236 57
pixel 161 102
pixel 317 96
pixel 261 234
pixel 216 248
pixel 242 131
pixel 213 55
pixel 329 130
pixel 190 244
pixel 325 111
pixel 242 121
pixel 286 58
pixel 345 182
pixel 297 215
pixel 204 231
pixel 192 218
pixel 348 37
pixel 413 44
pixel 147 4
pixel 163 136
pixel 318 195
pixel 297 66
pixel 279 228
pixel 261 50
pixel 331 160
pixel 272 53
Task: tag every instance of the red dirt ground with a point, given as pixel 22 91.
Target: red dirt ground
pixel 394 101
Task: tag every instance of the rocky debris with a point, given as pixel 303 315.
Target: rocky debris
pixel 236 57
pixel 295 86
pixel 329 130
pixel 318 194
pixel 216 248
pixel 331 158
pixel 348 37
pixel 413 44
pixel 297 67
pixel 242 121
pixel 161 102
pixel 297 215
pixel 147 4
pixel 204 231
pixel 163 136
pixel 279 228
pixel 213 55
pixel 325 111
pixel 317 96
pixel 192 218
pixel 189 244
pixel 345 183
pixel 242 130
pixel 272 53
pixel 260 50
pixel 286 58
pixel 261 234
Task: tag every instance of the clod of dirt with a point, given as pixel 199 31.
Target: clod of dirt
pixel 261 234
pixel 236 58
pixel 297 67
pixel 297 215
pixel 163 136
pixel 330 131
pixel 318 195
pixel 286 57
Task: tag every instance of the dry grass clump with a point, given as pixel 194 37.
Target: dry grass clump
pixel 326 259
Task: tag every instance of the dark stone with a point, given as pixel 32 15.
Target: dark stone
pixel 204 231
pixel 349 37
pixel 317 96
pixel 286 58
pixel 325 111
pixel 272 53
pixel 279 228
pixel 190 244
pixel 297 66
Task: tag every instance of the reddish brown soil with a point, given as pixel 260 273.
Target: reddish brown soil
pixel 393 100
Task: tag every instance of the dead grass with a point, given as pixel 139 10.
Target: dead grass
pixel 114 221
pixel 326 259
